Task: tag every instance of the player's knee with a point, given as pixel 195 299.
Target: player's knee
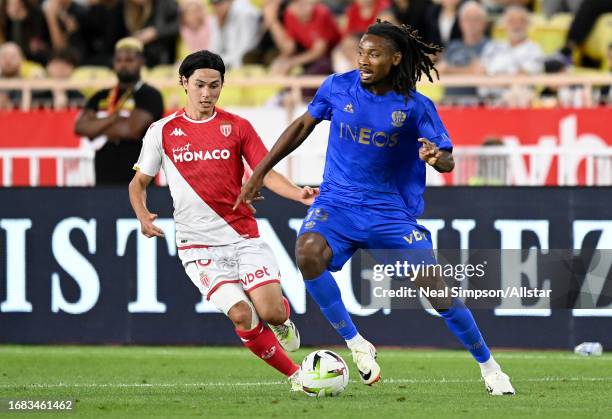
pixel 274 314
pixel 241 315
pixel 310 256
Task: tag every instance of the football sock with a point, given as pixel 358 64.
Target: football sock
pixel 287 308
pixel 460 321
pixel 355 341
pixel 489 366
pixel 324 290
pixel 262 342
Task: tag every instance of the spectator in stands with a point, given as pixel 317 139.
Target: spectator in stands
pixel 361 14
pixel 266 51
pixel 195 29
pixel 306 38
pixel 22 22
pixel 444 22
pixel 235 30
pixel 101 29
pixel 414 13
pixel 155 23
pixel 515 55
pixel 116 119
pixel 11 60
pixel 551 7
pixel 64 20
pixel 464 56
pixel 60 66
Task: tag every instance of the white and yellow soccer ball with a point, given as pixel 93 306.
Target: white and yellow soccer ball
pixel 324 374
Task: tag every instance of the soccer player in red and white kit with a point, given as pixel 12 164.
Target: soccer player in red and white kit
pixel 201 149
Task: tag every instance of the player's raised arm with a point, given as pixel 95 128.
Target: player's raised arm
pixel 290 139
pixel 138 199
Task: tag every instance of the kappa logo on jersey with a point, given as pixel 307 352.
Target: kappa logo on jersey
pixel 178 132
pixel 226 129
pixel 349 108
pixel 252 276
pixel 184 154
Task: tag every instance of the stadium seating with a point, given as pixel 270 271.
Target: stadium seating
pixel 596 45
pixel 550 33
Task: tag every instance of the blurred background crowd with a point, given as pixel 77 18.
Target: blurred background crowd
pixel 72 39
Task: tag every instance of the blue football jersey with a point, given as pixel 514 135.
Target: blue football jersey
pixel 373 153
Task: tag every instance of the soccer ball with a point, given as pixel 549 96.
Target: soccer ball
pixel 324 374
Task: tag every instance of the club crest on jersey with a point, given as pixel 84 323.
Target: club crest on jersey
pixel 349 108
pixel 226 129
pixel 398 118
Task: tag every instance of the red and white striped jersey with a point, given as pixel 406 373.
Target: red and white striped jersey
pixel 202 161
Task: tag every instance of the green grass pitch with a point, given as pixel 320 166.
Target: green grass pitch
pixel 211 382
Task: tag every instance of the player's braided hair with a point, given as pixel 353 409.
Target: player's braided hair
pixel 416 53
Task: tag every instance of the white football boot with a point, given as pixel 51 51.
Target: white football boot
pixel 364 356
pixel 296 381
pixel 288 335
pixel 498 383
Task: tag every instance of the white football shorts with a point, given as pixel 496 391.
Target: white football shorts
pixel 249 263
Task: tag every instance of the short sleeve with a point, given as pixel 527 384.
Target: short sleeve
pixel 92 103
pixel 430 126
pixel 253 149
pixel 149 99
pixel 151 153
pixel 320 107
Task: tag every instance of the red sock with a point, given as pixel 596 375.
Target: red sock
pixel 262 342
pixel 287 308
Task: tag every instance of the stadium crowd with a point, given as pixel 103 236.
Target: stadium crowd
pixel 51 38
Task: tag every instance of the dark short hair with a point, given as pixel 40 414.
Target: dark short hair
pixel 68 55
pixel 201 59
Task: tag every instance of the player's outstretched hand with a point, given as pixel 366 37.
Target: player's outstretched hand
pixel 429 152
pixel 308 195
pixel 249 193
pixel 149 229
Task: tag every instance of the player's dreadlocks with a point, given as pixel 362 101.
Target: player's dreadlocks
pixel 416 59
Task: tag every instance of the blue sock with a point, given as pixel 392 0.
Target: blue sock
pixel 324 290
pixel 460 321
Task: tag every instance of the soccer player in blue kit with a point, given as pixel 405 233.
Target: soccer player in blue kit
pixel 382 134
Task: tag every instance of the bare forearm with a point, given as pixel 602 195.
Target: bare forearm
pixel 309 56
pixel 282 186
pixel 123 129
pixel 58 40
pixel 445 163
pixel 280 38
pixel 138 199
pixel 93 127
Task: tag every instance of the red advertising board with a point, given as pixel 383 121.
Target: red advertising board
pixel 590 128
